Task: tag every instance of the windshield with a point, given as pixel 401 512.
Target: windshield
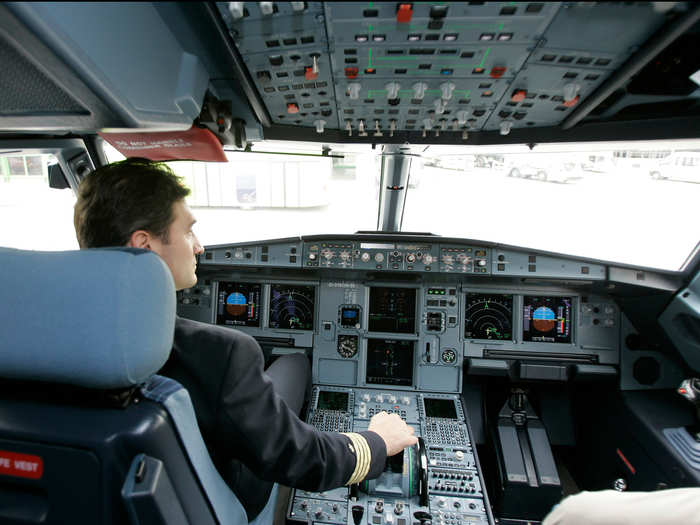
pixel 632 203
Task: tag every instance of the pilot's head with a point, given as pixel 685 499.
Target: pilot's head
pixel 141 204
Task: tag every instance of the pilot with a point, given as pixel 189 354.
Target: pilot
pixel 610 507
pixel 247 416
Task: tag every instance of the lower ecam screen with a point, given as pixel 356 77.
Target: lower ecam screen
pixel 390 362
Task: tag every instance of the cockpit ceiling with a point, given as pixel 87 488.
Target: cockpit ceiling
pixel 381 70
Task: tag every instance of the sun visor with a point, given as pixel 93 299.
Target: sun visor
pixel 194 144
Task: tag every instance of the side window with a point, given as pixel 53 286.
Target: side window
pixel 33 215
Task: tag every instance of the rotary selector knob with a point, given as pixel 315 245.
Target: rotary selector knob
pixel 392 399
pixel 441 502
pixel 345 256
pixel 428 259
pixel 379 257
pixel 312 256
pixel 365 257
pixel 379 398
pixel 482 262
pixel 406 400
pixel 366 397
pixel 463 259
pixel 459 455
pixel 411 258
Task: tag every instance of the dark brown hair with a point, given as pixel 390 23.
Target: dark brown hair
pixel 120 198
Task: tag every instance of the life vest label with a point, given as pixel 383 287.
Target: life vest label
pixel 21 465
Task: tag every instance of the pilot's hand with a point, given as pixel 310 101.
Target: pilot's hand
pixel 394 431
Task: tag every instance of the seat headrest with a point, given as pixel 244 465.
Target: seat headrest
pixel 99 318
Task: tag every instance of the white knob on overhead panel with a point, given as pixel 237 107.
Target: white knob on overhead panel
pixel 427 124
pixel 379 398
pixel 297 6
pixel 439 106
pixel 266 8
pixel 319 125
pixel 392 127
pixel 570 91
pixel 392 90
pixel 361 128
pixel 506 127
pixel 462 117
pixel 236 9
pixel 377 129
pixel 419 90
pixel 354 90
pixel 447 88
pixel 366 397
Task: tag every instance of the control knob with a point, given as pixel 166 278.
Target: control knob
pixel 459 455
pixel 406 400
pixel 379 257
pixel 312 256
pixel 392 399
pixel 319 512
pixel 365 257
pixel 379 398
pixel 366 397
pixel 411 258
pixel 428 259
pixel 344 255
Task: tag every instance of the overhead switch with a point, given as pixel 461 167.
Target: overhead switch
pixel 354 90
pixel 505 127
pixel 447 88
pixel 309 73
pixel 319 125
pixel 497 71
pixel 419 90
pixel 292 108
pixel 392 90
pixel 518 95
pixel 266 8
pixel 462 117
pixel 404 13
pixel 351 72
pixel 236 9
pixel 439 106
pixel 571 94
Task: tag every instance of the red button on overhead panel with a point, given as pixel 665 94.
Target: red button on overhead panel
pixel 292 107
pixel 351 72
pixel 404 13
pixel 497 72
pixel 309 73
pixel 518 95
pixel 572 102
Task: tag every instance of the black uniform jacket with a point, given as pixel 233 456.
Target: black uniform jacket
pixel 252 436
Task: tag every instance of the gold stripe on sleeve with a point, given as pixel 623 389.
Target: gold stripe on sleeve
pixel 363 457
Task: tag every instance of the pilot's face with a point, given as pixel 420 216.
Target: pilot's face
pixel 182 247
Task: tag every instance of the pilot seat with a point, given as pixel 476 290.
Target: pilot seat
pixel 88 433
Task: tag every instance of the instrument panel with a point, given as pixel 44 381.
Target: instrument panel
pixel 389 333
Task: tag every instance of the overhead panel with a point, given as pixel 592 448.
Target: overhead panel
pixel 376 68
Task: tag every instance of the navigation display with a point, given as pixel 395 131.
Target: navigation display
pixel 488 316
pixel 292 306
pixel 333 400
pixel 238 304
pixel 392 310
pixel 389 362
pixel 444 408
pixel 547 319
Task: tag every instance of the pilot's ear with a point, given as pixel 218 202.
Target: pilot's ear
pixel 140 239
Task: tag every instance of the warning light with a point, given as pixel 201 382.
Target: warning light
pixel 682 391
pixel 572 102
pixel 292 107
pixel 497 72
pixel 404 13
pixel 370 71
pixel 351 72
pixel 518 95
pixel 309 73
